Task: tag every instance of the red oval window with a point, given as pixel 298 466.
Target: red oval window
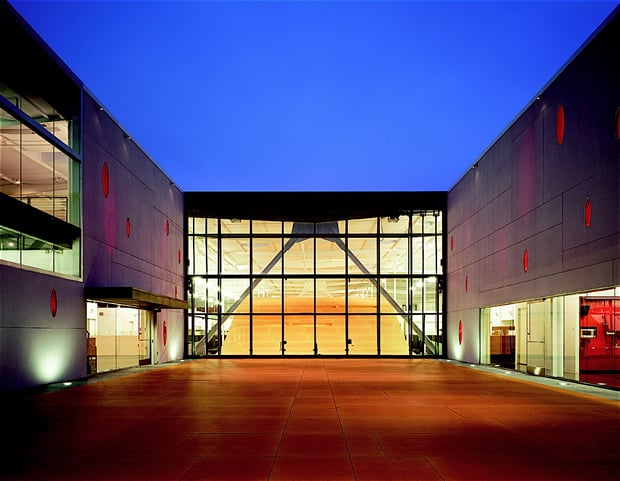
pixel 618 123
pixel 587 212
pixel 105 179
pixel 179 255
pixel 167 228
pixel 53 302
pixel 559 125
pixel 452 243
pixel 526 260
pixel 165 332
pixel 128 227
pixel 460 332
pixel 466 283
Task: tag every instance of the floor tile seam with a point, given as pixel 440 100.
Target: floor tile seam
pixel 288 418
pixel 344 437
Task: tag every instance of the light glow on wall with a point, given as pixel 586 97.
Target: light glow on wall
pixel 49 358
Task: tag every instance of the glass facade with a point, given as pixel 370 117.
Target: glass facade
pixel 575 336
pixel 39 166
pixel 370 286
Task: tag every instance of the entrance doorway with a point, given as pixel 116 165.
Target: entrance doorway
pixel 118 337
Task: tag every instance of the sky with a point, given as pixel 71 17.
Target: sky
pixel 314 95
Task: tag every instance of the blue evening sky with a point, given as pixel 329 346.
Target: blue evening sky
pixel 314 95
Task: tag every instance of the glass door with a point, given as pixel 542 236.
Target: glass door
pixel 537 321
pixel 144 337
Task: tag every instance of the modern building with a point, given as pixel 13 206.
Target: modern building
pixel 105 263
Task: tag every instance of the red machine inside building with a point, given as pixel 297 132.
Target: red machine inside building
pixel 599 343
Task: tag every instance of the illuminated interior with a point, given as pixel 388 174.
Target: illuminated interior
pixel 368 286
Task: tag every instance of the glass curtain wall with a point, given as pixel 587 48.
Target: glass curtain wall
pixel 575 336
pixel 352 287
pixel 39 168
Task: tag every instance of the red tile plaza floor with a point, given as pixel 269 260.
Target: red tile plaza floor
pixel 311 419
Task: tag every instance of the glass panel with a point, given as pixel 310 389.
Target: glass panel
pixel 394 335
pixel 267 296
pixel 417 290
pixel 235 296
pixel 212 256
pixel 330 335
pixel 235 256
pixel 266 227
pixel 363 256
pixel 37 171
pixel 299 334
pixel 299 295
pixel 190 255
pixel 10 245
pixel 299 259
pixel 395 225
pixel 430 255
pixel 330 257
pixel 10 139
pixel 439 222
pixel 394 296
pixel 394 255
pixel 236 335
pixel 330 295
pixel 429 223
pixel 416 223
pixel 417 255
pixel 362 334
pixel 417 338
pixel 144 337
pixel 196 225
pixel 267 334
pixel 37 253
pixel 198 257
pixel 439 255
pixel 235 226
pixel 363 226
pixel 67 261
pixel 362 295
pixel 267 255
pixel 433 334
pixel 430 288
pixel 74 197
pixel 212 226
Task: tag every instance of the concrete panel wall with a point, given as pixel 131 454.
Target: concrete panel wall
pixel 134 235
pixel 37 344
pixel 516 223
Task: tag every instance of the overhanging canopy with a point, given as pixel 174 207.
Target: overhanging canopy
pixel 134 297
